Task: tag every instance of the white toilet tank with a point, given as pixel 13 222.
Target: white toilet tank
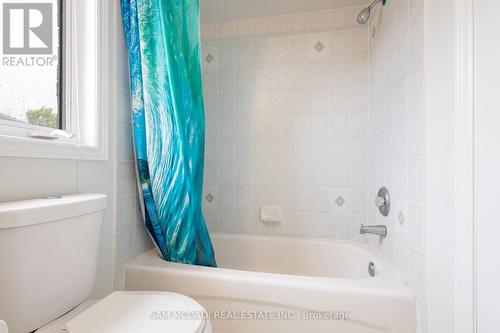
pixel 48 257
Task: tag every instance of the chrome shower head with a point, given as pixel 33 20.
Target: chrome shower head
pixel 364 15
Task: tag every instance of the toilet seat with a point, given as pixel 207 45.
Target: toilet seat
pixel 142 311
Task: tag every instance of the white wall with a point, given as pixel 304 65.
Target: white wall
pixel 397 137
pixel 487 137
pixel 287 123
pixel 447 208
pixel 23 178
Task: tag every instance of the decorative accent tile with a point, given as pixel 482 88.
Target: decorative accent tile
pixel 319 46
pixel 209 197
pixel 209 58
pixel 401 217
pixel 340 201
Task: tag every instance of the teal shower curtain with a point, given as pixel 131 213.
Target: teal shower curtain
pixel 163 42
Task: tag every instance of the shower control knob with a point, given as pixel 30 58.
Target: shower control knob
pixel 383 201
pixel 379 201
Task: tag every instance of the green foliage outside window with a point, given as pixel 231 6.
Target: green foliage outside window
pixel 42 117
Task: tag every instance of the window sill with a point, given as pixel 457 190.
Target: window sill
pixel 11 146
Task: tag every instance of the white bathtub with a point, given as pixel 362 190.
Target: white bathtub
pixel 278 284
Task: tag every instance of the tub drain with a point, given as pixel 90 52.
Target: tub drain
pixel 371 269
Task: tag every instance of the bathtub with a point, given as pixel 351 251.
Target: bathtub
pixel 279 284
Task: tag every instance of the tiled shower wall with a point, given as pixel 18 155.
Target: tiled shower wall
pixel 287 124
pixel 397 137
pixel 131 237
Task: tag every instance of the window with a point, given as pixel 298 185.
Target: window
pixel 31 79
pixel 55 74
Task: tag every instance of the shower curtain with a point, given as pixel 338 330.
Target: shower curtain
pixel 163 42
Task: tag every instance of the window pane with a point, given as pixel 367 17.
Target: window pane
pixel 29 70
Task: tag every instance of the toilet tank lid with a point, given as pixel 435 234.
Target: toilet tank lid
pixel 28 212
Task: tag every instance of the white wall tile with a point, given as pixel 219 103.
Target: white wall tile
pixel 245 219
pixel 319 201
pixel 125 213
pixel 417 226
pixel 340 18
pixel 279 24
pixel 359 42
pixel 299 23
pixel 319 20
pixel 260 26
pixel 226 221
pixel 209 32
pixel 283 227
pixel 242 30
pixel 396 132
pixel 340 43
pixel 211 105
pixel 125 178
pixel 211 219
pixel 227 55
pixel 225 30
pixel 299 48
pixel 210 80
pixel 321 226
pixel 300 225
pixel 284 125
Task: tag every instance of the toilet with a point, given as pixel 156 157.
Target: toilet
pixel 48 258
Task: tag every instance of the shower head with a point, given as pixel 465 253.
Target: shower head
pixel 364 15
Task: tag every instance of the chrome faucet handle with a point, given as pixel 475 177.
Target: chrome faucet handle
pixel 383 201
pixel 379 201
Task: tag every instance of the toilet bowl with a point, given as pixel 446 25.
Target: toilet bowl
pixel 57 240
pixel 137 311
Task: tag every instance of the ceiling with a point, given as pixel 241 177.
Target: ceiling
pixel 216 11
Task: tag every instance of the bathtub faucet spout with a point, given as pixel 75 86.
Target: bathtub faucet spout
pixel 380 230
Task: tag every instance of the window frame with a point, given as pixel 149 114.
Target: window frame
pixel 61 17
pixel 83 134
